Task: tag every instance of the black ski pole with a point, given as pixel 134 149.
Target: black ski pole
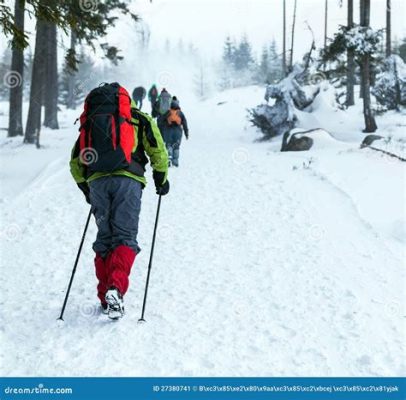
pixel 76 264
pixel 150 260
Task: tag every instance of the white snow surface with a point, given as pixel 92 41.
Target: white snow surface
pixel 266 263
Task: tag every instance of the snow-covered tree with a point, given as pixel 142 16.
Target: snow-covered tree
pixel 289 96
pixel 390 85
pixel 75 85
pixel 270 65
pixel 237 67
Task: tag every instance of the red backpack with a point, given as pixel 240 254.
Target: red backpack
pixel 106 137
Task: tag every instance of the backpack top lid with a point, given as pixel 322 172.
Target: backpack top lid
pixel 107 98
pixel 173 117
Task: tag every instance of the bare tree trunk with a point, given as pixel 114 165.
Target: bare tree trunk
pixel 37 85
pixel 350 101
pixel 293 34
pixel 325 29
pixel 388 29
pixel 51 74
pixel 71 97
pixel 370 124
pixel 284 40
pixel 361 16
pixel 325 23
pixel 15 119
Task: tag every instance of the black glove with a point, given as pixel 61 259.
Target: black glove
pixel 161 188
pixel 84 187
pixel 164 189
pixel 187 135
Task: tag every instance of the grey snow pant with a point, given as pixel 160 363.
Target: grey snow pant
pixel 116 202
pixel 173 137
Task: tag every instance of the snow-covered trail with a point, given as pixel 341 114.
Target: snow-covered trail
pixel 260 269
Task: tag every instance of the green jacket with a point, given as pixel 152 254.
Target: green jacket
pixel 148 142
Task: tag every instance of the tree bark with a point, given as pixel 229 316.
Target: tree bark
pixel 71 97
pixel 325 23
pixel 388 29
pixel 51 74
pixel 370 124
pixel 37 85
pixel 284 40
pixel 15 121
pixel 350 101
pixel 293 34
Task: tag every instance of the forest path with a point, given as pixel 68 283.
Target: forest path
pixel 260 269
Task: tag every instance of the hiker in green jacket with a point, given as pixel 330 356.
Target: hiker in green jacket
pixel 115 196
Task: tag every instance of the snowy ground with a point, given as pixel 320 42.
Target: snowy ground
pixel 267 263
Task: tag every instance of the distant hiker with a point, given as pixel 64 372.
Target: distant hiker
pixel 139 94
pixel 162 106
pixel 174 121
pixel 110 173
pixel 153 96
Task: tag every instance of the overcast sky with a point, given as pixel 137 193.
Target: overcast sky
pixel 207 22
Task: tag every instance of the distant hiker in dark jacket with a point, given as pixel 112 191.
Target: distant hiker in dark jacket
pixel 153 97
pixel 162 106
pixel 109 170
pixel 139 94
pixel 174 121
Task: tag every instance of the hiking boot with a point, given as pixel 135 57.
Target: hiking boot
pixel 115 303
pixel 104 308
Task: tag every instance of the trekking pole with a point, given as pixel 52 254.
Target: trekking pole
pixel 150 261
pixel 76 264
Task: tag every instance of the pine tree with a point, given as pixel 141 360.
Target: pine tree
pixel 370 124
pixel 243 58
pixel 15 124
pixel 275 69
pixel 388 29
pixel 51 72
pixel 264 75
pixel 229 52
pixel 37 84
pixel 350 101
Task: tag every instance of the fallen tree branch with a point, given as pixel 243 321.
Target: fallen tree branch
pixel 386 152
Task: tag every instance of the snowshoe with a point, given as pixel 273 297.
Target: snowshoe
pixel 115 303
